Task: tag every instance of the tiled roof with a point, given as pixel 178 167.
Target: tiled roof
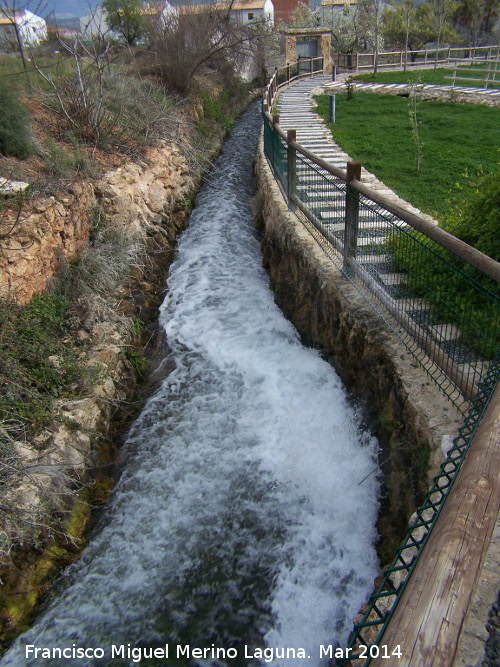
pixel 338 3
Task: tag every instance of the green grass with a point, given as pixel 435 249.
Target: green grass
pixel 426 76
pixel 456 140
pixel 399 76
pixel 12 71
pixel 37 359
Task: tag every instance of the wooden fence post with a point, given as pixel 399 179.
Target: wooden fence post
pixel 351 215
pixel 291 135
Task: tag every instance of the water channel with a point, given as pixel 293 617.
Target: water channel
pixel 239 521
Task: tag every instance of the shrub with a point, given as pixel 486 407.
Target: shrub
pixel 14 124
pixel 477 221
pixel 36 364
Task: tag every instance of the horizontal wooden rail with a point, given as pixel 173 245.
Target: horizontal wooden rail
pixel 355 61
pixel 274 85
pixel 460 248
pixel 356 194
pixel 430 616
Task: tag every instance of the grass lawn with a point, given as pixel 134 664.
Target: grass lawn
pixel 457 141
pixel 427 75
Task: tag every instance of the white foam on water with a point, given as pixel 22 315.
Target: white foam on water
pixel 238 518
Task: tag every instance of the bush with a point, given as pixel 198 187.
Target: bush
pixel 36 363
pixel 477 222
pixel 14 124
pixel 455 291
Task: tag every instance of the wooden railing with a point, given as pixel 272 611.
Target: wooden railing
pixel 334 201
pixel 488 75
pixel 283 76
pixel 360 61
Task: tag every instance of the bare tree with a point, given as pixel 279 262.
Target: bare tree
pixel 197 37
pixel 439 14
pixel 371 15
pixel 79 98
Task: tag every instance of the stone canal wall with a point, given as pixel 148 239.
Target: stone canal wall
pixel 414 422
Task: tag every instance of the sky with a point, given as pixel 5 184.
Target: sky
pixel 61 8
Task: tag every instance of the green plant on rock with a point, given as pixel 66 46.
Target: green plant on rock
pixel 37 364
pixel 138 324
pixel 138 362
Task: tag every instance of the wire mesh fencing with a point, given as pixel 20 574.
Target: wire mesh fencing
pixel 440 297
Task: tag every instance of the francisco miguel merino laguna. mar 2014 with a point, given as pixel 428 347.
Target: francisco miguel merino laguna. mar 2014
pixel 139 653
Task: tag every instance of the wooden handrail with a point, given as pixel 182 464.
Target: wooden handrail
pixel 273 86
pixel 458 247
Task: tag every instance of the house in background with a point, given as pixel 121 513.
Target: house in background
pixel 283 9
pixel 244 11
pixel 94 23
pixel 31 29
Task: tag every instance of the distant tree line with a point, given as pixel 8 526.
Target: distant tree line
pixel 409 25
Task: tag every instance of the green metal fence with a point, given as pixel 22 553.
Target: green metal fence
pixel 442 299
pixel 383 602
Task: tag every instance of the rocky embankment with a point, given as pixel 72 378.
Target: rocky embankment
pixel 147 202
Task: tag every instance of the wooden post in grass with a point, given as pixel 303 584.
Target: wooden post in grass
pixel 351 215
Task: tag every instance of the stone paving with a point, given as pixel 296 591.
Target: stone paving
pixel 295 106
pixel 431 91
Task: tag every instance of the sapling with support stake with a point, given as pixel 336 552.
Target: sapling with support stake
pixel 413 109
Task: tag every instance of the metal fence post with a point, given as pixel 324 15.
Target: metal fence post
pixel 332 108
pixel 351 215
pixel 291 136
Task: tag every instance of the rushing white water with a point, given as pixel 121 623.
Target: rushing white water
pixel 238 519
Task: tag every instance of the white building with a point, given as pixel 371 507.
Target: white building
pixel 31 28
pixel 94 24
pixel 244 11
pixel 240 11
